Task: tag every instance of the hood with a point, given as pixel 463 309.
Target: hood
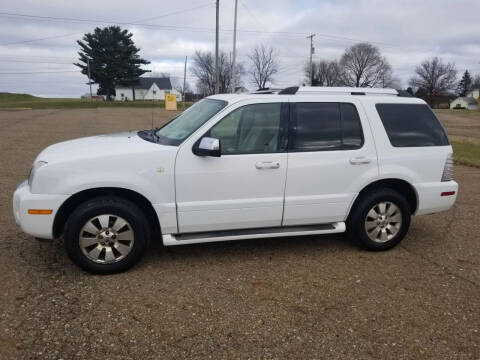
pixel 97 147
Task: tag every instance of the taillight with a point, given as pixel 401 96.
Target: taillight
pixel 448 169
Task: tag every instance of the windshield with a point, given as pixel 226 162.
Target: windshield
pixel 189 121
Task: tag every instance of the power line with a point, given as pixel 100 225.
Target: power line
pixel 255 19
pixel 164 27
pixel 178 12
pixel 190 28
pixel 39 72
pixel 39 39
pixel 35 62
pixel 77 33
pixel 35 57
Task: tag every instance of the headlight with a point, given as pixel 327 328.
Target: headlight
pixel 34 169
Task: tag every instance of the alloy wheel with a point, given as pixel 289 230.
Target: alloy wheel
pixel 383 222
pixel 106 238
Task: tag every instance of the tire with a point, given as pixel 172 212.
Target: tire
pixel 106 235
pixel 384 210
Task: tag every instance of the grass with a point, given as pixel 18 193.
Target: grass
pixel 10 100
pixel 466 153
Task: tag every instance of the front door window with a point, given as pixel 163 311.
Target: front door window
pixel 250 129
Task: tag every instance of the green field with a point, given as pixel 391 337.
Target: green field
pixel 15 101
pixel 466 153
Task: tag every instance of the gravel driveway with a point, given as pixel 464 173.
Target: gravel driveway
pixel 303 297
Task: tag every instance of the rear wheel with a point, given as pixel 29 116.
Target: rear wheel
pixel 380 219
pixel 106 235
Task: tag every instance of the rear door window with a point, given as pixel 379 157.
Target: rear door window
pixel 411 125
pixel 325 126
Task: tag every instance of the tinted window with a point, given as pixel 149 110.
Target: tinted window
pixel 411 125
pixel 326 126
pixel 249 129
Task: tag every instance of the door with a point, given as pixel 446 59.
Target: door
pixel 244 187
pixel 331 154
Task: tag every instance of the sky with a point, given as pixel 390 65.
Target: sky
pixel 38 38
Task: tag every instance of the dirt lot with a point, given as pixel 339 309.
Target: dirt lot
pixel 461 123
pixel 305 297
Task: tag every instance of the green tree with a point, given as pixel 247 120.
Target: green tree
pixel 113 59
pixel 465 84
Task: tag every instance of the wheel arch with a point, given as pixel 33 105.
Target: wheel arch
pixel 75 200
pixel 403 187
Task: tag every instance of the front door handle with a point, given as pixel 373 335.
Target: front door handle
pixel 261 165
pixel 361 160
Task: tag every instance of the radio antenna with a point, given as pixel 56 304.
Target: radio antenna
pixel 153 104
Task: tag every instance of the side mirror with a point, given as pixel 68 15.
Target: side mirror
pixel 207 147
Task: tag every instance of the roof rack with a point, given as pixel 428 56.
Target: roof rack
pixel 312 90
pixel 266 91
pixel 324 90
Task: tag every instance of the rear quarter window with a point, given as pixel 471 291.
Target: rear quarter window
pixel 411 125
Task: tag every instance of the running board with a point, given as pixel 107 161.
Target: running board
pixel 227 235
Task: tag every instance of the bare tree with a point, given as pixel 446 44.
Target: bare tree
pixel 203 68
pixel 389 81
pixel 434 78
pixel 325 73
pixel 264 65
pixel 362 65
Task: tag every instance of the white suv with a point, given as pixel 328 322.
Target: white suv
pixel 298 162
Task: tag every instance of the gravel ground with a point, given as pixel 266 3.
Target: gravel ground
pixel 303 297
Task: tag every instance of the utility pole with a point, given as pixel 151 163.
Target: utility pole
pixel 234 47
pixel 184 81
pixel 217 77
pixel 89 81
pixel 312 50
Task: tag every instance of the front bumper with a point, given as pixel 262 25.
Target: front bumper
pixel 430 199
pixel 36 225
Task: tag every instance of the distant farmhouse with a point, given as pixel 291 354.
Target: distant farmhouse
pixel 147 88
pixel 469 102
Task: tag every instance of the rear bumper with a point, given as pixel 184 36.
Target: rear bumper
pixel 36 225
pixel 436 197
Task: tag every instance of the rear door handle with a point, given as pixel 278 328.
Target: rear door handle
pixel 261 165
pixel 361 160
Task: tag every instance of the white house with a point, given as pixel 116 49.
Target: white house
pixel 469 103
pixel 147 88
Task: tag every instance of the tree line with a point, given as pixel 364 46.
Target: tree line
pixel 109 56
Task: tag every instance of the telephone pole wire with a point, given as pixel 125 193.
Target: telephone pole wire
pixel 216 52
pixel 234 47
pixel 312 50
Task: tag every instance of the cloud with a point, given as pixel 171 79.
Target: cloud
pixel 406 32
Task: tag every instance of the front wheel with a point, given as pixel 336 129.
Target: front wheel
pixel 380 220
pixel 106 235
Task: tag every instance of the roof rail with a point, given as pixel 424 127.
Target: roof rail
pixel 266 91
pixel 312 90
pixel 292 90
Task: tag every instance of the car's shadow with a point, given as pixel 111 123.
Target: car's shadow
pixel 51 256
pixel 248 249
